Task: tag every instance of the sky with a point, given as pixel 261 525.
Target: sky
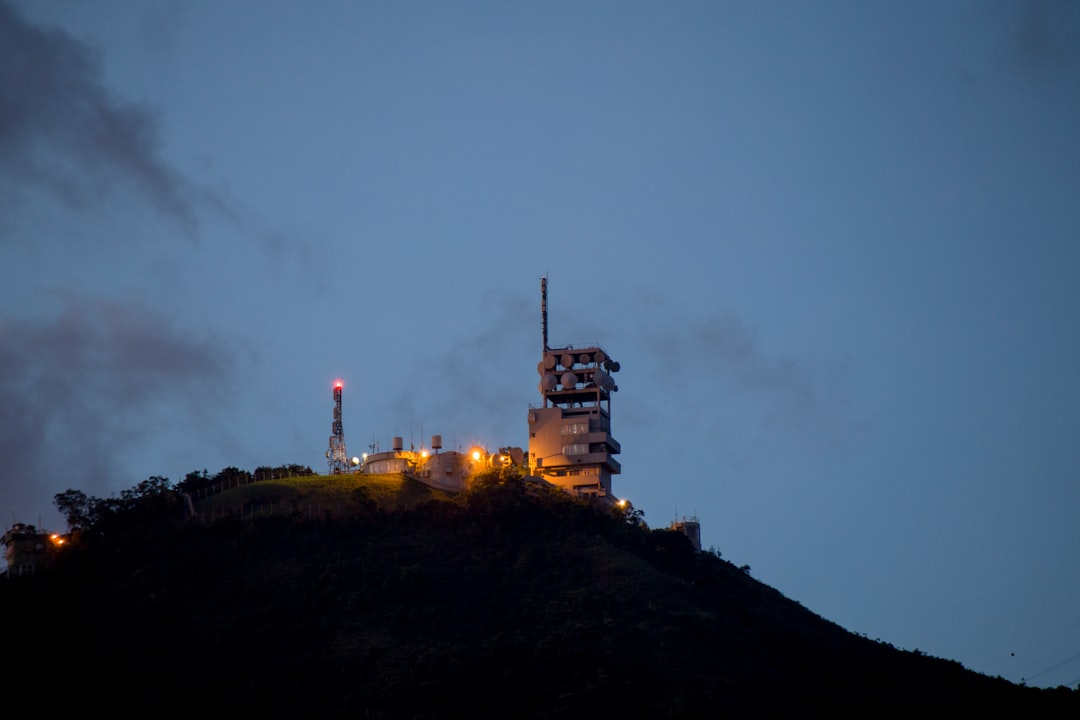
pixel 834 247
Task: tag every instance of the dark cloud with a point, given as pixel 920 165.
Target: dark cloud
pixel 81 389
pixel 64 133
pixel 725 380
pixel 1047 35
pixel 482 380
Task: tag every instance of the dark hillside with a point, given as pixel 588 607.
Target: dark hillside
pixel 508 602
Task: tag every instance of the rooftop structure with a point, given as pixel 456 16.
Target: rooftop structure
pixel 28 550
pixel 448 470
pixel 691 528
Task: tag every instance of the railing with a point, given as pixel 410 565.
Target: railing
pixel 253 511
pixel 216 488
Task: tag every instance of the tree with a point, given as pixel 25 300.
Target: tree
pixel 76 507
pixel 153 486
pixel 152 501
pixel 194 482
pixel 231 477
pixel 630 514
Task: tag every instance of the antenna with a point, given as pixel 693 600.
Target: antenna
pixel 336 455
pixel 543 310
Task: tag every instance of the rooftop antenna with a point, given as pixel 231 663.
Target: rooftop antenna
pixel 543 310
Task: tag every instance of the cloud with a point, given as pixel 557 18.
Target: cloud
pixel 1047 35
pixel 63 133
pixel 68 138
pixel 482 382
pixel 724 381
pixel 81 389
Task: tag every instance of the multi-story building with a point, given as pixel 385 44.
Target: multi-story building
pixel 570 442
pixel 27 550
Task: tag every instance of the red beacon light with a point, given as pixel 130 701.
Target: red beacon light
pixel 339 384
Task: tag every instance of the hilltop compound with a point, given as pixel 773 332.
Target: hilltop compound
pixel 570 442
pixel 448 470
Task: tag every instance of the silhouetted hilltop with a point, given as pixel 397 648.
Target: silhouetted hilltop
pixel 508 601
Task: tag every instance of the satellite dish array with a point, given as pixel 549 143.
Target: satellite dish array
pixel 563 370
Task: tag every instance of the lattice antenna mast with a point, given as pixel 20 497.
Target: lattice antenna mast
pixel 336 455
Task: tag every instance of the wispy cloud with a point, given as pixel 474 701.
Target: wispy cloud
pixel 64 133
pixel 724 380
pixel 82 388
pixel 68 137
pixel 475 385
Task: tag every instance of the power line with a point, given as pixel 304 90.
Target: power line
pixel 1052 636
pixel 1066 661
pixel 1036 663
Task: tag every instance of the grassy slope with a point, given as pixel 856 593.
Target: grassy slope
pixel 337 492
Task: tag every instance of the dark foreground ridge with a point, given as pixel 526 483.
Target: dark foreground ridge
pixel 510 601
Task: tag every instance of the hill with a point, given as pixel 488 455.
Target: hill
pixel 317 496
pixel 510 600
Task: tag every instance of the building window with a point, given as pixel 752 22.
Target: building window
pixel 576 449
pixel 577 428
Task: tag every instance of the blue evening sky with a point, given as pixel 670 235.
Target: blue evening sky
pixel 834 245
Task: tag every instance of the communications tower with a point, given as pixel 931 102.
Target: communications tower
pixel 336 455
pixel 570 442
